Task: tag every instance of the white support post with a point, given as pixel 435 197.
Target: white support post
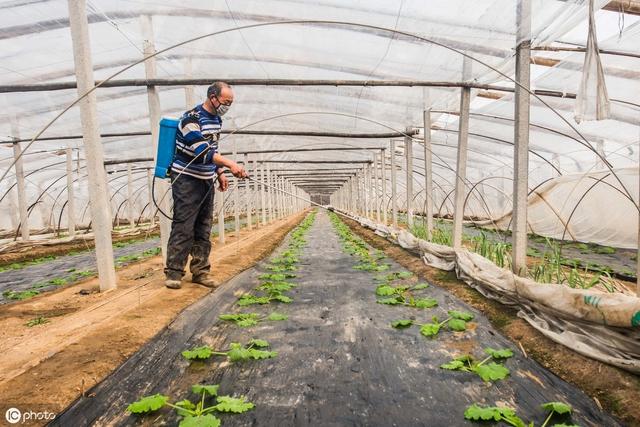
pixel 221 215
pixel 163 193
pixel 521 139
pixel 130 213
pixel 365 191
pixel 22 195
pixel 394 185
pixel 263 201
pixel 151 208
pixel 408 153
pixel 270 194
pixel 98 194
pixel 461 166
pixel 189 91
pixel 376 182
pixel 71 200
pixel 247 193
pixel 236 193
pixel 383 176
pixel 428 174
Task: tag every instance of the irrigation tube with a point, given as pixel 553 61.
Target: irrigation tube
pixel 328 22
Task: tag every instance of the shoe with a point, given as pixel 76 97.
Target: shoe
pixel 172 284
pixel 205 280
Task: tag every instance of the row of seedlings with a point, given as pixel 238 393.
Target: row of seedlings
pixel 400 289
pixel 200 412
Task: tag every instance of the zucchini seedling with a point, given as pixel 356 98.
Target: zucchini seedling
pixel 245 320
pixel 457 321
pixel 194 414
pixel 236 352
pixel 487 371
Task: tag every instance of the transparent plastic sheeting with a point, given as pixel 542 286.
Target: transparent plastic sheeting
pixel 598 325
pixel 35 47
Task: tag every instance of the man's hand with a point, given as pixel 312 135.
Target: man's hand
pixel 238 171
pixel 223 182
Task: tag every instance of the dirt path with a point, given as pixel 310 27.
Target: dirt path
pixel 339 362
pixel 617 391
pixel 90 335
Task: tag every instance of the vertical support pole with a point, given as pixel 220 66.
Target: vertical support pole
pixel 221 215
pixel 247 193
pixel 383 175
pixel 130 214
pixel 408 152
pixel 189 91
pixel 98 195
pixel 151 208
pixel 394 185
pixel 269 194
pixel 365 190
pixel 521 138
pixel 428 176
pixel 351 201
pixel 22 195
pixel 71 201
pixel 256 190
pixel 236 192
pixel 461 166
pixel 163 195
pixel 263 201
pixel 376 186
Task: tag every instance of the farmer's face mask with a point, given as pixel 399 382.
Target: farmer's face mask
pixel 221 109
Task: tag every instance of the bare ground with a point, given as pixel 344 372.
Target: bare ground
pixel 613 389
pixel 88 336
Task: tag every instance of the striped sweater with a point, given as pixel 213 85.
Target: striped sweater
pixel 196 143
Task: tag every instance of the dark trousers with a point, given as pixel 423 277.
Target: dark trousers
pixel 191 226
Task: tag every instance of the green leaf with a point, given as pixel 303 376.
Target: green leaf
pixel 233 404
pixel 404 274
pixel 425 303
pixel 203 352
pixel 504 353
pixel 277 316
pixel 491 372
pixel 420 286
pixel 457 325
pixel 248 299
pixel 453 365
pixel 430 329
pixel 478 413
pixel 258 343
pixel 391 301
pixel 385 290
pixel 200 421
pixel 237 353
pixel 283 298
pixel 148 404
pixel 462 315
pixel 261 354
pixel 187 405
pixel 246 323
pixel 400 324
pixel 209 390
pixel 557 407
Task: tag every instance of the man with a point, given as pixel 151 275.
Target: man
pixel 195 168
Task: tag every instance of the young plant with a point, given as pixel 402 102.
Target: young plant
pixel 457 321
pixel 194 414
pixel 487 371
pixel 249 299
pixel 507 415
pixel 236 352
pixel 245 320
pixel 40 320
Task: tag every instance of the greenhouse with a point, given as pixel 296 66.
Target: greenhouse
pixel 320 213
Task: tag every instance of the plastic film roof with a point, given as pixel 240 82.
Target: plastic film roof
pixel 35 47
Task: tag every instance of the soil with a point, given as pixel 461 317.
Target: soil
pixel 613 389
pixel 89 333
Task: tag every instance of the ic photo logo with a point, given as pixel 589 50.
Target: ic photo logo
pixel 15 415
